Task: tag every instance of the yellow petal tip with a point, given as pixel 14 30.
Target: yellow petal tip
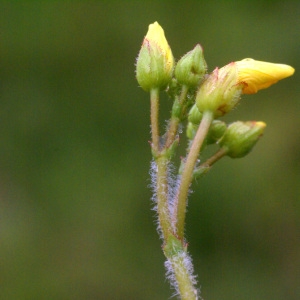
pixel 259 75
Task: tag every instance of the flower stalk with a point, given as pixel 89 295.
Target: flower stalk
pixel 154 98
pixel 200 99
pixel 187 174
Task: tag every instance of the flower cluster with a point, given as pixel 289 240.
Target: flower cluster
pixel 218 92
pixel 200 99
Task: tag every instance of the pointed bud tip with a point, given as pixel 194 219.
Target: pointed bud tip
pixel 259 75
pixel 260 124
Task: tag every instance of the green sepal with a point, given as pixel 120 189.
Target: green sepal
pixel 195 116
pixel 173 88
pixel 216 131
pixel 170 151
pixel 173 245
pixel 176 109
pixel 191 130
pixel 200 171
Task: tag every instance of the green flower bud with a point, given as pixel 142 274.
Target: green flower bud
pixel 155 61
pixel 240 137
pixel 191 68
pixel 191 130
pixel 221 91
pixel 195 116
pixel 216 131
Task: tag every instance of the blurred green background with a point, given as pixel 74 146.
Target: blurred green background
pixel 75 209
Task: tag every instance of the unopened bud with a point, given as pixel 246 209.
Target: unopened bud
pixel 221 91
pixel 216 131
pixel 191 68
pixel 194 116
pixel 240 137
pixel 155 61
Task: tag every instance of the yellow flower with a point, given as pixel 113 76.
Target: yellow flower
pixel 221 90
pixel 155 61
pixel 259 75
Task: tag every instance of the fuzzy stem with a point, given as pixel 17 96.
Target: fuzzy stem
pixel 162 196
pixel 162 167
pixel 184 281
pixel 172 131
pixel 183 93
pixel 187 173
pixel 154 98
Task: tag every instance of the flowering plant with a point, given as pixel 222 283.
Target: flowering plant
pixel 200 99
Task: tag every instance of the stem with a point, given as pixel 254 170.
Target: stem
pixel 172 131
pixel 213 159
pixel 175 120
pixel 162 196
pixel 179 261
pixel 162 167
pixel 183 277
pixel 154 98
pixel 183 93
pixel 187 173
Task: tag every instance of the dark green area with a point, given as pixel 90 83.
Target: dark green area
pixel 75 218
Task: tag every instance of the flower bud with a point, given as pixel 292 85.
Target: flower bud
pixel 240 137
pixel 155 61
pixel 191 130
pixel 221 91
pixel 216 131
pixel 195 116
pixel 191 68
pixel 260 75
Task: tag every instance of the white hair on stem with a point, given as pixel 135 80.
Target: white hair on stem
pixel 153 186
pixel 181 262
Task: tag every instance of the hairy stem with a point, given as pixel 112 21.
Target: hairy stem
pixel 162 196
pixel 187 173
pixel 161 165
pixel 154 98
pixel 184 279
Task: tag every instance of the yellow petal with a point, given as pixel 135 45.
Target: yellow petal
pixel 260 75
pixel 156 36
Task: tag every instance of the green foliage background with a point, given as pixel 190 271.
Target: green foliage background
pixel 75 209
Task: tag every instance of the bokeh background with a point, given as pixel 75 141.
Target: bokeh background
pixel 75 209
